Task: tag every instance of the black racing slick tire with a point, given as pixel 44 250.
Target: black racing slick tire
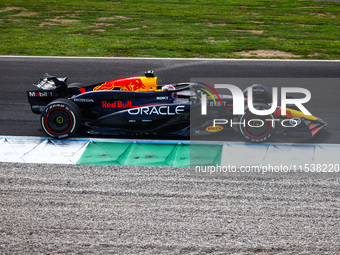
pixel 61 118
pixel 255 128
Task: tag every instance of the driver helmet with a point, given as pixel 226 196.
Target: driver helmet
pixel 169 88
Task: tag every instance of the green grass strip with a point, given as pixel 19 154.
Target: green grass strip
pixel 146 28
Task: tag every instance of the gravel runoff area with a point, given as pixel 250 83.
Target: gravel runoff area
pixel 53 209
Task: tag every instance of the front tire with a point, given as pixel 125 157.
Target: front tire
pixel 61 118
pixel 257 128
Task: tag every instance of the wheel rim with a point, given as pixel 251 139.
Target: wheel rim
pixel 58 121
pixel 257 126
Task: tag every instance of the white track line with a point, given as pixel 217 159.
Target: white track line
pixel 177 59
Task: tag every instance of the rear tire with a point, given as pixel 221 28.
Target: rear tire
pixel 61 118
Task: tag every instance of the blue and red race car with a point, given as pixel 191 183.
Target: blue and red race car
pixel 139 106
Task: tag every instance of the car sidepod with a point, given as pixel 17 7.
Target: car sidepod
pixel 126 112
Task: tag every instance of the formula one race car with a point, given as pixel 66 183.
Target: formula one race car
pixel 139 106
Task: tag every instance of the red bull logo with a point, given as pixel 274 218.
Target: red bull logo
pixel 127 84
pixel 116 104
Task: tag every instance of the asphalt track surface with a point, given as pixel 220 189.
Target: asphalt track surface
pixel 17 74
pixel 56 209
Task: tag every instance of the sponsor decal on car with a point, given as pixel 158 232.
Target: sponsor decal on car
pixel 214 129
pixel 83 100
pixel 162 98
pixel 117 104
pixel 158 110
pixel 41 94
